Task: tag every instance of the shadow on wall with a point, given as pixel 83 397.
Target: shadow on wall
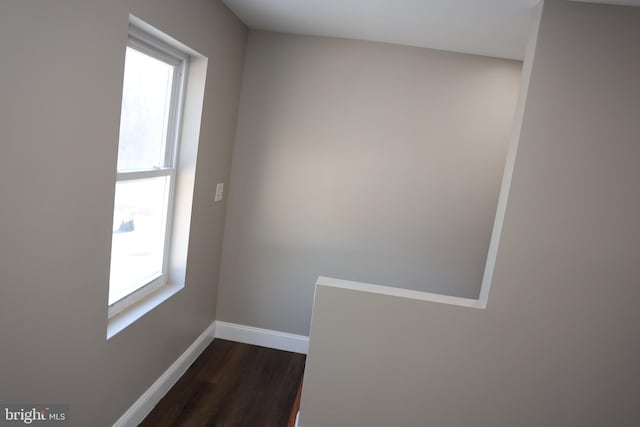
pixel 364 161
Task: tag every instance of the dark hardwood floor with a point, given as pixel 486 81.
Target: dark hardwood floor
pixel 233 384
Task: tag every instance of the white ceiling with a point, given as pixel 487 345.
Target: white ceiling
pixel 488 27
pixel 613 2
pixel 485 27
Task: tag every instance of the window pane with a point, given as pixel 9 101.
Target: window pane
pixel 144 118
pixel 138 234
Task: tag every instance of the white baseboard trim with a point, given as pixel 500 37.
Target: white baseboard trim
pixel 141 408
pixel 223 330
pixel 262 337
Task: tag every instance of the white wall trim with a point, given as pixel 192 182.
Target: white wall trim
pixel 150 398
pixel 120 320
pixel 262 337
pixel 399 292
pixel 505 186
pixel 223 330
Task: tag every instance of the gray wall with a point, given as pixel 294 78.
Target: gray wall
pixel 363 161
pixel 558 344
pixel 60 92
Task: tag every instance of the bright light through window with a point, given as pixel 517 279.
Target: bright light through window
pixel 139 224
pixel 146 169
pixel 146 100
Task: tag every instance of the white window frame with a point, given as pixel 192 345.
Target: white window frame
pixel 156 48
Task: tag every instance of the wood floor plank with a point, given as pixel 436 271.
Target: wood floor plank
pixel 296 407
pixel 233 384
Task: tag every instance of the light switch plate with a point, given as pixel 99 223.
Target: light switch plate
pixel 219 192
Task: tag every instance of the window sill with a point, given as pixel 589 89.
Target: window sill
pixel 132 313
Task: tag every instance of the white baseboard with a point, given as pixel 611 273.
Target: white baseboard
pixel 262 337
pixel 141 408
pixel 223 330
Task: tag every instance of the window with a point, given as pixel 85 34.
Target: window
pixel 150 122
